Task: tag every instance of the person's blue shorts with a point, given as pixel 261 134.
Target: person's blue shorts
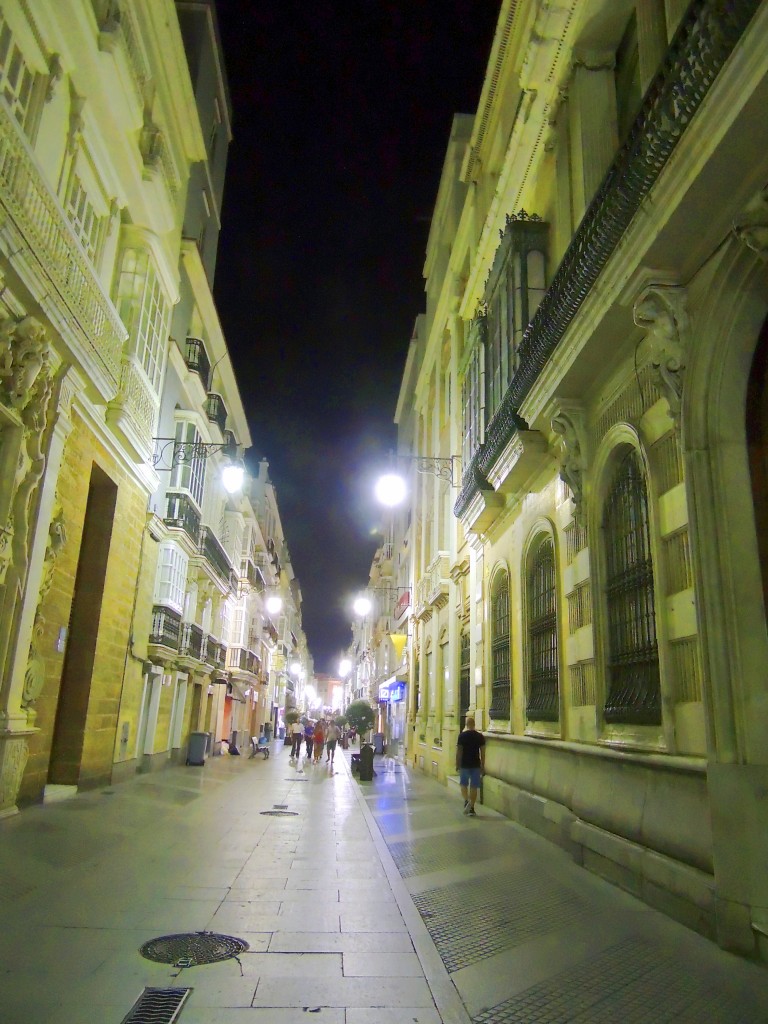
pixel 470 777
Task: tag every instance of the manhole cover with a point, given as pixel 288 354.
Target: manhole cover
pixel 192 948
pixel 281 814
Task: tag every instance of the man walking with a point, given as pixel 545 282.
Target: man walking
pixel 297 735
pixel 470 764
pixel 331 739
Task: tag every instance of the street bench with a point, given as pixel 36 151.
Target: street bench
pixel 259 745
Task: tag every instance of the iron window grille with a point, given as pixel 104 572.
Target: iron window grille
pixel 500 655
pixel 543 663
pixel 634 691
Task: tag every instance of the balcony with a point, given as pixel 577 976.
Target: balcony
pixel 213 652
pixel 166 628
pixel 271 633
pixel 191 641
pixel 432 589
pixel 95 329
pixel 243 660
pixel 197 360
pixel 216 556
pixel 702 45
pixel 251 575
pixel 216 411
pixel 182 514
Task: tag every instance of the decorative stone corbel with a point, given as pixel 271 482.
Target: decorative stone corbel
pixel 55 75
pixel 751 225
pixel 660 310
pixel 568 424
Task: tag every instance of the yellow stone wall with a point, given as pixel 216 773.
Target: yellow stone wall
pixel 116 672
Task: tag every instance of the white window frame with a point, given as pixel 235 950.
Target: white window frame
pixel 145 311
pixel 171 578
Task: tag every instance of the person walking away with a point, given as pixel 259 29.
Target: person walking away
pixel 297 735
pixel 331 739
pixel 470 763
pixel 309 737
pixel 319 740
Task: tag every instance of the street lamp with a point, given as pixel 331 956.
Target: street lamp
pixel 390 489
pixel 274 604
pixel 171 452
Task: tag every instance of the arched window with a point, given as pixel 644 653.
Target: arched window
pixel 500 676
pixel 633 690
pixel 542 658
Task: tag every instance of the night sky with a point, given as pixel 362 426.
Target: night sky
pixel 341 117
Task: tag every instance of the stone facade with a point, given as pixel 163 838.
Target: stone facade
pixel 594 349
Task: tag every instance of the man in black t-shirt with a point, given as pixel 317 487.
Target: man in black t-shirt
pixel 470 764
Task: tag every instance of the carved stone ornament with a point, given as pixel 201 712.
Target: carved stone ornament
pixel 34 676
pixel 572 462
pixel 661 311
pixel 24 351
pixel 751 226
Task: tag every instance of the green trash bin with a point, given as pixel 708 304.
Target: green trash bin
pixel 198 748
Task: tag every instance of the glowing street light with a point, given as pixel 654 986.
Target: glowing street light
pixel 274 604
pixel 362 606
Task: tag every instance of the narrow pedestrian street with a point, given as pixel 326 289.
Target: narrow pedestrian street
pixel 359 903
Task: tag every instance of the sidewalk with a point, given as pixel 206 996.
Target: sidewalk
pixel 360 903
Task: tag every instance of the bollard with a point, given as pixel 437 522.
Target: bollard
pixel 366 763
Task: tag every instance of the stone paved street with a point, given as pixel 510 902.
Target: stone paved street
pixel 361 903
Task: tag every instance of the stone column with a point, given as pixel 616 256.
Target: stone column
pixel 593 127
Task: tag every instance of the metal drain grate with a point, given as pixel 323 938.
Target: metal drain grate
pixel 425 855
pixel 157 1006
pixel 633 982
pixel 280 814
pixel 473 920
pixel 295 780
pixel 188 949
pixel 280 807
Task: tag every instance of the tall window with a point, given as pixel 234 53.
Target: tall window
pixel 633 655
pixel 171 579
pixel 145 312
pixel 500 657
pixel 189 473
pixel 516 286
pixel 16 80
pixel 464 669
pixel 82 216
pixel 473 390
pixel 541 608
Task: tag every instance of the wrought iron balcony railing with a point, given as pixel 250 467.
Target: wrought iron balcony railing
pixel 243 659
pixel 216 411
pixel 191 641
pixel 213 652
pixel 703 43
pixel 182 514
pixel 166 627
pixel 215 554
pixel 197 360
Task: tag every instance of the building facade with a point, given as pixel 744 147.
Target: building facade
pixel 593 351
pixel 131 581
